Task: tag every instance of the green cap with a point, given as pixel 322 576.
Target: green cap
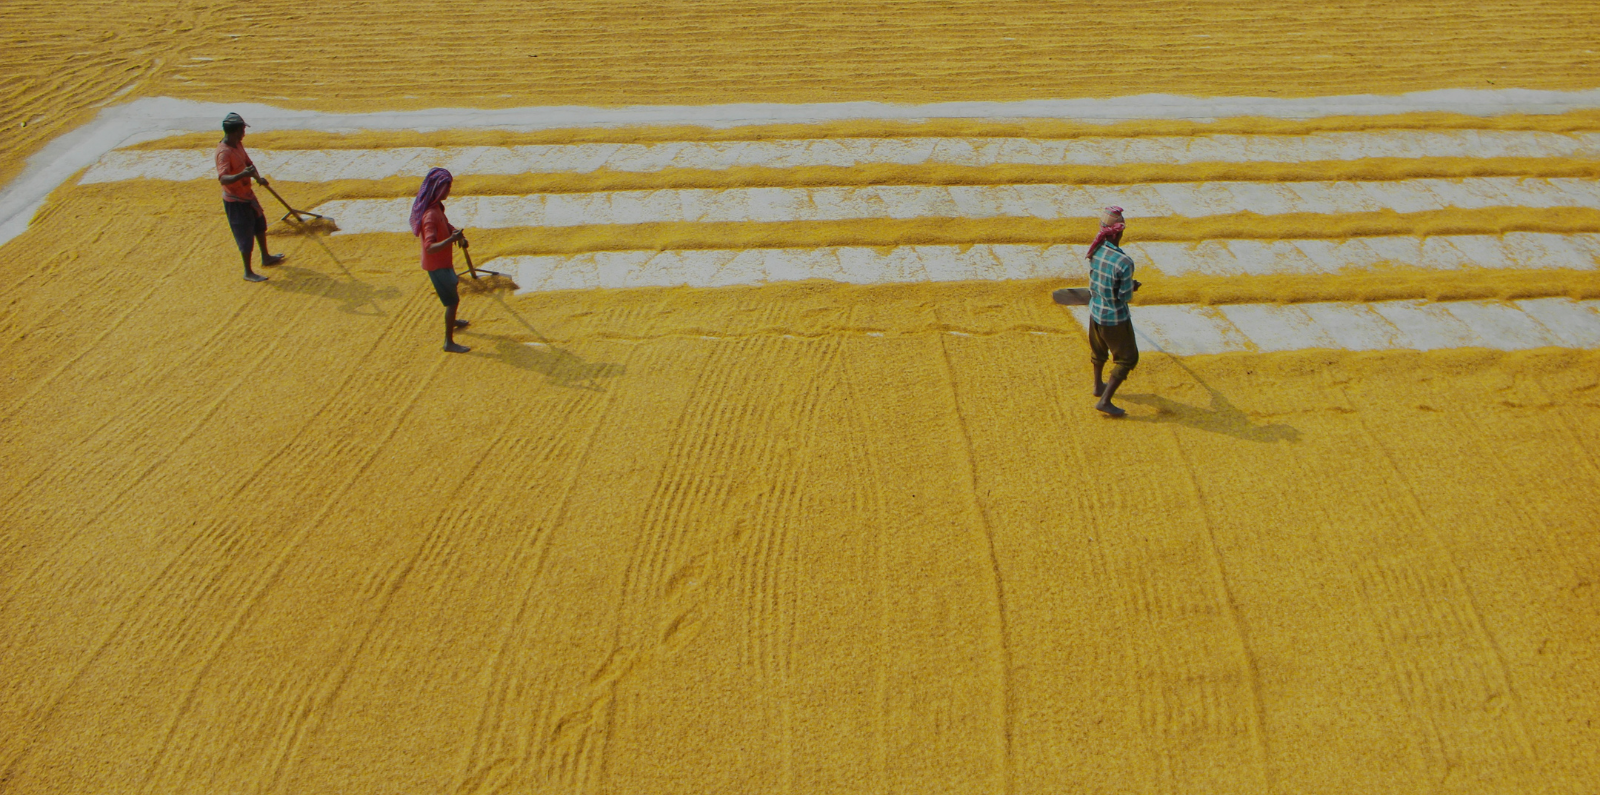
pixel 233 120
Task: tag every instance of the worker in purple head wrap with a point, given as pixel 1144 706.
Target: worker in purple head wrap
pixel 438 258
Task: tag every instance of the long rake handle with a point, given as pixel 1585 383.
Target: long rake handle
pixel 468 255
pixel 292 211
pixel 471 269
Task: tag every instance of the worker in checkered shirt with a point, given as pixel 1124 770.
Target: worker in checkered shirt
pixel 1111 286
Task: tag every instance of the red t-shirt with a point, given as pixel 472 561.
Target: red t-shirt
pixel 435 227
pixel 232 160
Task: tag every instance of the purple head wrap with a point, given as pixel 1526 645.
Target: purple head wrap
pixel 433 186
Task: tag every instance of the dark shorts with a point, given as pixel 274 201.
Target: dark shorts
pixel 1116 343
pixel 444 283
pixel 246 220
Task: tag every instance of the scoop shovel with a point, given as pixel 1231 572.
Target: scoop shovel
pixel 1071 296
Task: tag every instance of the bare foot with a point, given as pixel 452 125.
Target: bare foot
pixel 254 277
pixel 1099 389
pixel 462 324
pixel 452 347
pixel 1109 410
pixel 272 260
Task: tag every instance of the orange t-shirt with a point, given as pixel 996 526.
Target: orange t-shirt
pixel 435 227
pixel 232 160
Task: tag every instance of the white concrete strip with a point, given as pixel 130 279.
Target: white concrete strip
pixel 1272 327
pixel 322 165
pixel 1515 250
pixel 1185 330
pixel 1191 330
pixel 1576 324
pixel 862 265
pixel 850 264
pixel 701 205
pixel 159 117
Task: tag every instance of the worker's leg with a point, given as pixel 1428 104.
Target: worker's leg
pixel 241 221
pixel 261 237
pixel 1124 357
pixel 1118 375
pixel 1098 353
pixel 444 283
pixel 450 331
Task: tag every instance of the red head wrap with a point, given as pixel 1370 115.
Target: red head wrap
pixel 1112 232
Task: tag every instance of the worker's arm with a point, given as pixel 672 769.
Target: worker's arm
pixel 1125 287
pixel 445 243
pixel 248 172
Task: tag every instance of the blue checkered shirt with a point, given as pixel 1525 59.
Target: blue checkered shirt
pixel 1110 285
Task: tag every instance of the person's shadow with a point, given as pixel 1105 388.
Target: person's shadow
pixel 355 297
pixel 353 294
pixel 559 366
pixel 1219 417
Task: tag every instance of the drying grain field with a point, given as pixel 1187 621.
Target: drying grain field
pixel 775 470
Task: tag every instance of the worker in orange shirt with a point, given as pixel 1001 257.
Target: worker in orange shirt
pixel 245 215
pixel 437 237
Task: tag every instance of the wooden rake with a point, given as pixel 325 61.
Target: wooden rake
pixel 474 271
pixel 298 215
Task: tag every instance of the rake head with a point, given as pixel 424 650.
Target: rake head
pixel 487 283
pixel 308 222
pixel 302 215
